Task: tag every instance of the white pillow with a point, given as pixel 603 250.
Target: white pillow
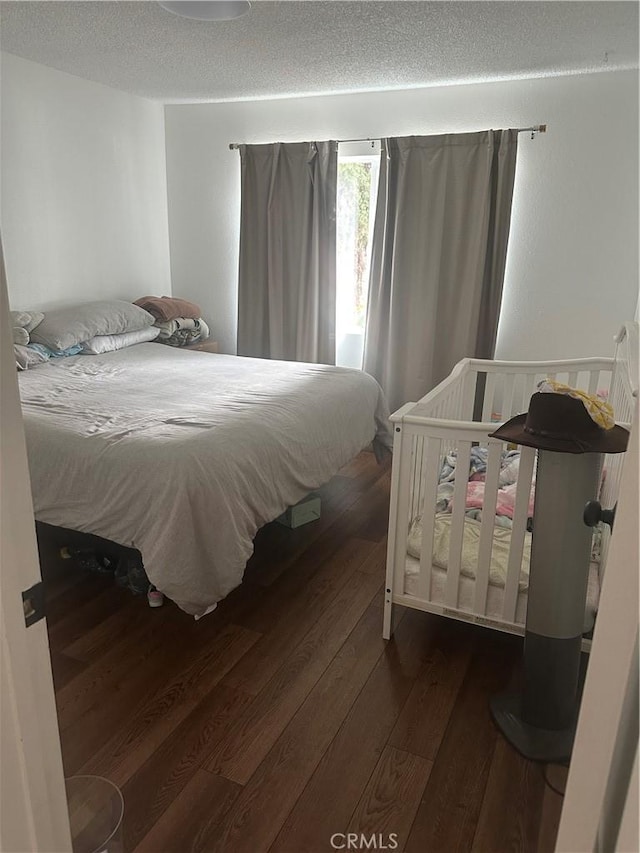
pixel 66 327
pixel 109 343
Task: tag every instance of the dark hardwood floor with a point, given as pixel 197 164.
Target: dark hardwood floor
pixel 284 718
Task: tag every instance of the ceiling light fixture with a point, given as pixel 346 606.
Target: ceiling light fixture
pixel 208 10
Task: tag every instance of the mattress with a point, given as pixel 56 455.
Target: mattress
pixel 184 454
pixel 495 594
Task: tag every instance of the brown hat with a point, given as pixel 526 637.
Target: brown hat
pixel 561 423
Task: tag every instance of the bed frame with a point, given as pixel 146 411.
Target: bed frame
pixel 443 420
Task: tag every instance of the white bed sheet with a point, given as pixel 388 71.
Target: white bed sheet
pixel 495 594
pixel 184 455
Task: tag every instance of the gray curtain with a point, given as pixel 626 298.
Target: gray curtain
pixel 438 257
pixel 287 277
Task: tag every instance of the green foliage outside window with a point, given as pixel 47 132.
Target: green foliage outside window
pixel 354 186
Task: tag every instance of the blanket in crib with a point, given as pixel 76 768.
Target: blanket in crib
pixel 505 504
pixel 503 521
pixel 470 544
pixel 507 484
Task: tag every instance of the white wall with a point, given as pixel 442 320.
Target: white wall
pixel 83 192
pixel 572 273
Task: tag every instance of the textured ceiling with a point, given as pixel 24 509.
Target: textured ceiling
pixel 288 48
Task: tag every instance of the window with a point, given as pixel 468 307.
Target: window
pixel 358 165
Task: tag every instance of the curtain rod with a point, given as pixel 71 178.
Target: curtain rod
pixel 537 128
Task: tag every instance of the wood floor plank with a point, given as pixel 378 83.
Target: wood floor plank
pixel 154 787
pixel 358 467
pixel 136 646
pixel 289 621
pixel 64 668
pixel 190 823
pixel 256 816
pixel 549 821
pixel 256 731
pixel 150 724
pixel 376 562
pixel 447 817
pixel 390 800
pixel 158 646
pixel 373 522
pixel 348 763
pixel 86 734
pixel 518 782
pixel 424 719
pixel 74 625
pixel 98 636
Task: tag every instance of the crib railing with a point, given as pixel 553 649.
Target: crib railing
pixel 623 393
pixel 508 386
pixel 442 421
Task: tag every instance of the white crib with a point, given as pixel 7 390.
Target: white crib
pixel 443 421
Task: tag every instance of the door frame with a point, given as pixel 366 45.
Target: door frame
pixel 33 805
pixel 597 813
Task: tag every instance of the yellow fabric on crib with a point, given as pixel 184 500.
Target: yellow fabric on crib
pixel 599 410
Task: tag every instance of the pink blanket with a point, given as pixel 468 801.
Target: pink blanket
pixel 505 503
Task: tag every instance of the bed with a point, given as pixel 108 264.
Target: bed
pixel 453 547
pixel 185 455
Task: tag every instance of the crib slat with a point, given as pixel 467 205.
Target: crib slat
pixel 514 565
pixel 610 485
pixel 430 486
pixel 457 523
pixel 617 398
pixel 412 498
pixel 457 403
pixel 486 531
pixel 450 404
pixel 507 403
pixel 401 525
pixel 593 381
pixel 468 395
pixel 394 535
pixel 489 393
pixel 516 405
pixel 414 504
pixel 528 388
pixel 421 442
pixel 573 379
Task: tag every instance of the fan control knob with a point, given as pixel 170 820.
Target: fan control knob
pixel 593 513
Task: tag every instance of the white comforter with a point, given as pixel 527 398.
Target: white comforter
pixel 184 455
